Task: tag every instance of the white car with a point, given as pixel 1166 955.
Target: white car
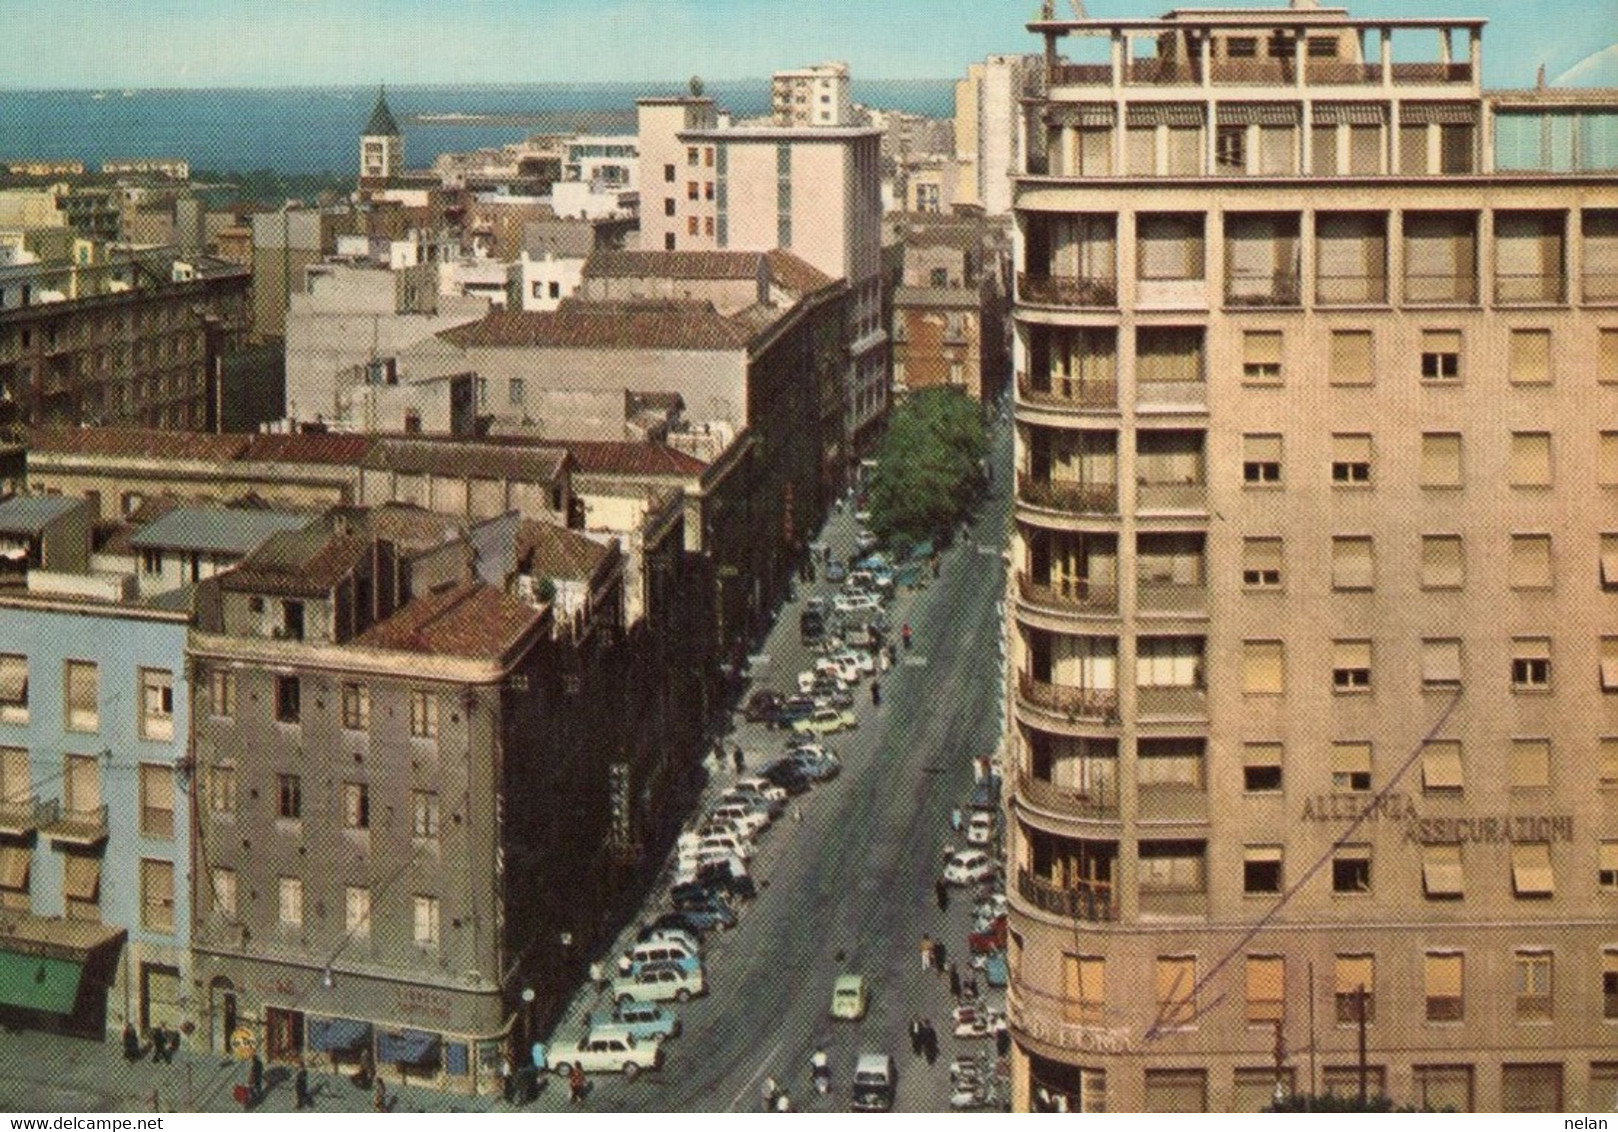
pixel 741 817
pixel 861 659
pixel 609 1050
pixel 969 866
pixel 847 667
pixel 761 787
pixel 980 828
pixel 688 868
pixel 659 982
pixel 725 842
pixel 849 603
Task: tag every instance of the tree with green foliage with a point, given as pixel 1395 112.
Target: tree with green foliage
pixel 929 466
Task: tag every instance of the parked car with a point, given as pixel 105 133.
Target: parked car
pixel 671 933
pixel 969 867
pixel 836 571
pixel 609 1051
pixel 740 817
pixel 876 1080
pixel 722 878
pixel 860 659
pixel 659 982
pixel 702 907
pixel 762 706
pixel 829 692
pixel 826 721
pixel 643 1021
pixel 849 997
pixel 864 543
pixel 851 603
pixel 787 775
pixel 792 709
pixel 980 828
pixel 726 841
pixel 693 924
pixel 659 952
pixel 758 799
pixel 990 938
pixel 816 762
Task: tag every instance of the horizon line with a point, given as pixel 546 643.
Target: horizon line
pixel 109 87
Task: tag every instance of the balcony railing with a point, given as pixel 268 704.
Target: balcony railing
pixel 1068 393
pixel 1094 901
pixel 1061 495
pixel 1170 597
pixel 1171 496
pixel 1097 704
pixel 79 827
pixel 1422 288
pixel 1081 74
pixel 1281 289
pixel 1067 290
pixel 21 817
pixel 1185 701
pixel 1600 287
pixel 1190 394
pixel 1261 72
pixel 1529 288
pixel 1162 72
pixel 1074 593
pixel 1093 803
pixel 1350 290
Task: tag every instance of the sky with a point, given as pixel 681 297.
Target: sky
pixel 252 43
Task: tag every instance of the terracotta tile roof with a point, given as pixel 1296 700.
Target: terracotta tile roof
pixel 307 448
pixel 653 324
pixel 628 457
pixel 408 525
pixel 795 274
pixel 549 551
pixel 305 563
pixel 468 620
pixel 136 443
pixel 525 463
pixel 653 264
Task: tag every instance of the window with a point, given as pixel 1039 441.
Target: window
pixel 1441 663
pixel 425 806
pixel 1261 563
pixel 1261 767
pixel 1607 569
pixel 1356 983
pixel 1530 764
pixel 1261 869
pixel 691 156
pixel 1350 360
pixel 668 237
pixel 1353 563
pixel 668 210
pixel 151 562
pixel 81 886
pixel 222 789
pixel 157 896
pixel 1528 357
pixel 1084 980
pixel 81 784
pixel 1609 664
pixel 1534 973
pixel 1531 459
pixel 1444 977
pixel 156 704
pixel 1266 988
pixel 1609 985
pixel 1351 766
pixel 1441 355
pixel 1607 355
pixel 357 912
pixel 1443 562
pixel 1350 458
pixel 668 174
pixel 1440 459
pixel 1261 356
pixel 1607 866
pixel 1350 666
pixel 1531 874
pixel 156 800
pixel 518 391
pixel 1441 875
pixel 222 693
pixel 707 226
pixel 81 685
pixel 423 714
pixel 356 707
pixel 288 699
pixel 1607 764
pixel 1351 869
pixel 291 621
pixel 692 191
pixel 224 892
pixel 13 688
pixel 1530 566
pixel 356 805
pixel 1607 459
pixel 1230 144
pixel 1261 459
pixel 425 921
pixel 1176 991
pixel 1441 769
pixel 1530 664
pixel 692 226
pixel 290 893
pixel 289 797
pixel 1263 668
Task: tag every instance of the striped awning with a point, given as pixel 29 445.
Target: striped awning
pixel 1080 114
pixel 1258 114
pixel 1350 114
pixel 1438 113
pixel 1164 114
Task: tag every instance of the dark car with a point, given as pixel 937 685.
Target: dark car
pixel 702 906
pixel 826 693
pixel 836 571
pixel 762 706
pixel 792 709
pixel 786 774
pixel 719 879
pixel 692 923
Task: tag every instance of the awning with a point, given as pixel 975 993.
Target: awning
pixel 35 982
pixel 333 1034
pixel 1080 114
pixel 13 681
pixel 1179 114
pixel 1438 113
pixel 406 1047
pixel 1349 114
pixel 1258 113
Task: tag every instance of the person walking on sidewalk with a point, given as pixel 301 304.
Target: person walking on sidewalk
pixel 927 952
pixel 915 1036
pixel 876 693
pixel 575 1084
pixel 300 1087
pixel 941 894
pixel 954 980
pixel 255 1079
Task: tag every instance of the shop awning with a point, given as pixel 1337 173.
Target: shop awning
pixel 327 1035
pixel 406 1047
pixel 36 982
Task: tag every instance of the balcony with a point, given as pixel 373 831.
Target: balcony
pixel 1529 289
pixel 1081 74
pixel 1067 290
pixel 1441 288
pixel 1171 497
pixel 1171 597
pixel 1076 594
pixel 1351 290
pixel 1067 393
pixel 1093 901
pixel 1171 294
pixel 1175 700
pixel 1097 804
pixel 1600 287
pixel 1191 395
pixel 1071 496
pixel 1279 289
pixel 1099 705
pixel 20 818
pixel 79 827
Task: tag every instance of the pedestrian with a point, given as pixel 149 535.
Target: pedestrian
pixel 131 1042
pixel 938 957
pixel 1002 1037
pixel 941 894
pixel 926 952
pixel 876 693
pixel 379 1099
pixel 255 1079
pixel 508 1083
pixel 905 633
pixel 915 1036
pixel 575 1084
pixel 740 761
pixel 929 1041
pixel 367 1068
pixel 954 980
pixel 969 985
pixel 956 820
pixel 300 1086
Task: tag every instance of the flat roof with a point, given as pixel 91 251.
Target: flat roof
pixel 215 530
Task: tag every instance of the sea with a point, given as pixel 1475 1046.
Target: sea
pixel 315 130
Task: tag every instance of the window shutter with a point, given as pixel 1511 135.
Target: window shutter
pixel 1529 357
pixel 1441 765
pixel 1531 873
pixel 1261 448
pixel 1351 654
pixel 1262 667
pixel 1531 459
pixel 1443 562
pixel 1350 362
pixel 1607 355
pixel 1441 873
pixel 1444 974
pixel 1353 564
pixel 1609 664
pixel 1350 448
pixel 1441 341
pixel 1355 971
pixel 1441 459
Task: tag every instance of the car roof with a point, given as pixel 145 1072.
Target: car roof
pixel 873 1063
pixel 848 982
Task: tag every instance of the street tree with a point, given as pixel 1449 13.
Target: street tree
pixel 929 466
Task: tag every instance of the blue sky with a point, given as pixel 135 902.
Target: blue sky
pixel 203 43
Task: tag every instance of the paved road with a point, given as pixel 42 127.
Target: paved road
pixel 850 888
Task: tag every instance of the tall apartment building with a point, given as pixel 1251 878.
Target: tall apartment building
pixel 812 96
pixel 988 134
pixel 1313 676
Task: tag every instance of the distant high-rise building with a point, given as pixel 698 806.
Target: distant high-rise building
pixel 812 96
pixel 988 138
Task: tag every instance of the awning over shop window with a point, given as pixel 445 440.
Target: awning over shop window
pixel 406 1047
pixel 34 982
pixel 333 1034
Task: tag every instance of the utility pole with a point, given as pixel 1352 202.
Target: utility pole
pixel 1360 998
